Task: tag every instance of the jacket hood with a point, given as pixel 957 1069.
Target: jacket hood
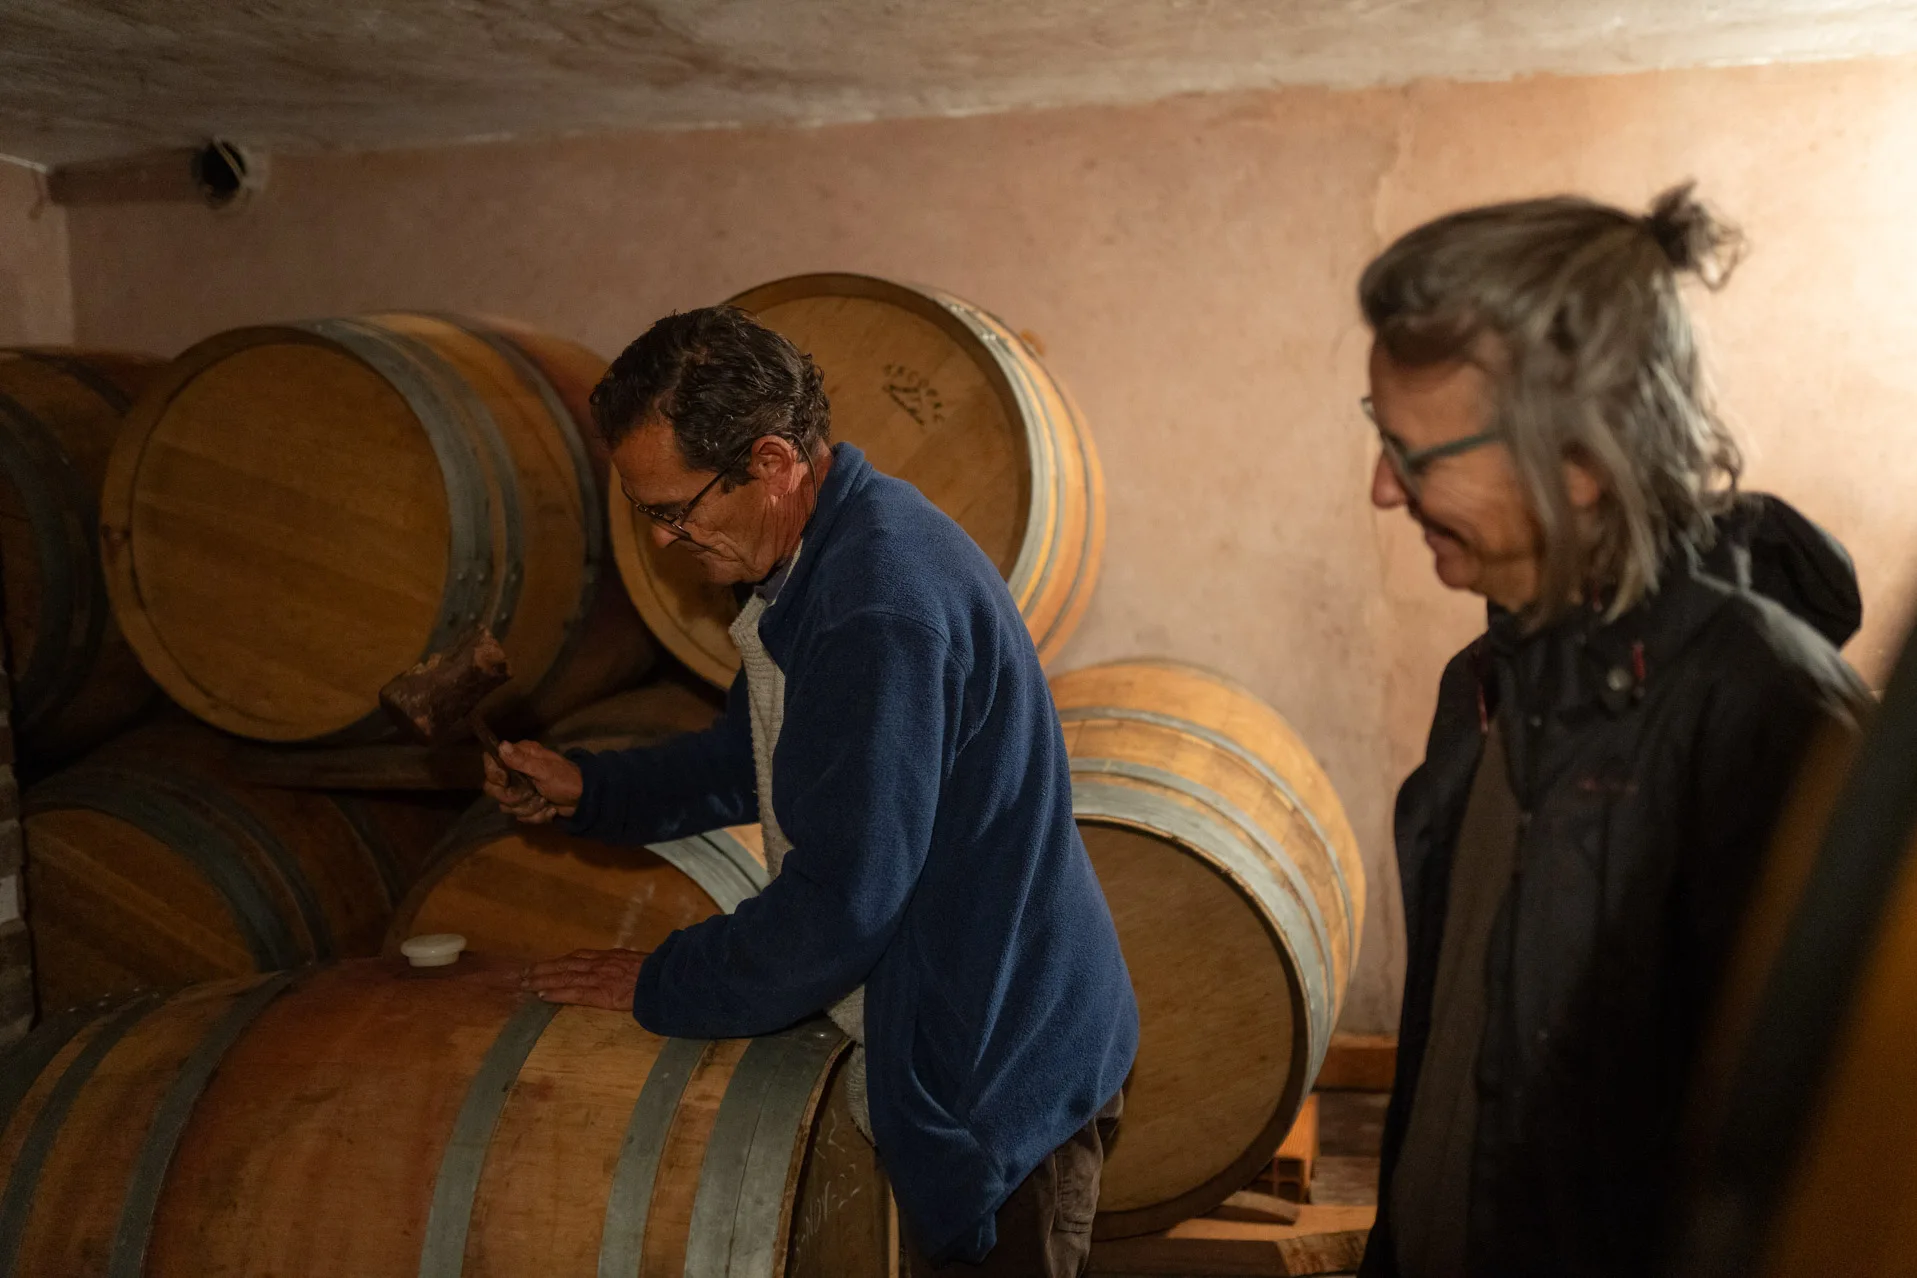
pixel 1767 546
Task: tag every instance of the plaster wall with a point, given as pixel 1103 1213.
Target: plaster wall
pixel 36 299
pixel 1189 266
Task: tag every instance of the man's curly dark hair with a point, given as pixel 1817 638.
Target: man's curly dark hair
pixel 720 379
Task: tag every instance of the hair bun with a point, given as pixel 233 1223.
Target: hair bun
pixel 1692 238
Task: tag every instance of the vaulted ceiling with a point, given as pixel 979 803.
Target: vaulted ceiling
pixel 114 77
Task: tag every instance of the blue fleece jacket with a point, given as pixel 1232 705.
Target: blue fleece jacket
pixel 922 779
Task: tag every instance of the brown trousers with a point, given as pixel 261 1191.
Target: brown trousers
pixel 1045 1227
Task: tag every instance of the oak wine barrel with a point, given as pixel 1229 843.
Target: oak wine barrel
pixel 1238 890
pixel 403 829
pixel 385 1122
pixel 638 716
pixel 16 953
pixel 531 891
pixel 75 681
pixel 149 866
pixel 1803 1126
pixel 937 392
pixel 296 513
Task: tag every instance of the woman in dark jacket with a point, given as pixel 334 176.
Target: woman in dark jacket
pixel 1607 760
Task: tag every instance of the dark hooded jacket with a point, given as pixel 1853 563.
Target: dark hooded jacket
pixel 1767 545
pixel 1649 756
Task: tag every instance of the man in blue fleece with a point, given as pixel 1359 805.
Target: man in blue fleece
pixel 893 734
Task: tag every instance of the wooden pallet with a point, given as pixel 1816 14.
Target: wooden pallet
pixel 1359 1063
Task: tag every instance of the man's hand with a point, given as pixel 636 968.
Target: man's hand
pixel 557 782
pixel 590 978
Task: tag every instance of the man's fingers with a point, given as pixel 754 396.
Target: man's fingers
pixel 575 972
pixel 499 787
pixel 578 962
pixel 571 956
pixel 555 788
pixel 533 759
pixel 590 978
pixel 558 778
pixel 584 955
pixel 503 788
pixel 557 971
pixel 584 996
pixel 527 812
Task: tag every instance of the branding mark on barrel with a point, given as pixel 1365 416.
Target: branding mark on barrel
pixel 917 396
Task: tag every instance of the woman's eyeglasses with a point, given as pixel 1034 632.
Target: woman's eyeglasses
pixel 1409 464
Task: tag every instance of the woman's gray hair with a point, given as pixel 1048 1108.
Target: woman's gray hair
pixel 1572 307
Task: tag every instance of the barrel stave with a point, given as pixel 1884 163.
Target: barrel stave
pixel 839 1225
pixel 1226 708
pixel 149 865
pixel 272 581
pixel 676 1184
pixel 399 832
pixel 637 717
pixel 343 875
pixel 1236 791
pixel 1059 562
pixel 540 564
pixel 302 1111
pixel 1073 591
pixel 1220 1058
pixel 567 367
pixel 82 1187
pixel 68 1035
pixel 433 1122
pixel 238 559
pixel 1235 911
pixel 110 907
pixel 1244 749
pixel 541 1211
pixel 75 678
pixel 533 892
pixel 607 647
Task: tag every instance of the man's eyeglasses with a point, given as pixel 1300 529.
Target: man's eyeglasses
pixel 673 519
pixel 1409 464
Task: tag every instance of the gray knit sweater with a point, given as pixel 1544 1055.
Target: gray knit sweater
pixel 765 690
